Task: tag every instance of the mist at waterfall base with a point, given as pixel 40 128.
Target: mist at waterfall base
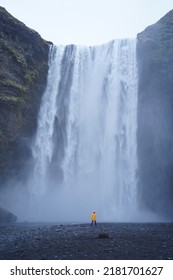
pixel 84 154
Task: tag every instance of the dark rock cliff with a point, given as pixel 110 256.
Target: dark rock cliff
pixel 155 115
pixel 23 73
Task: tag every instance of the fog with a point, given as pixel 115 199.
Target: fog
pixel 156 151
pixel 71 207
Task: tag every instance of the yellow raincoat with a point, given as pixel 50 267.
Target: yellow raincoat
pixel 93 217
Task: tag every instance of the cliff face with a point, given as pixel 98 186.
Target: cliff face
pixel 155 115
pixel 23 73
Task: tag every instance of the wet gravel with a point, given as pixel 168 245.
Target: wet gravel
pixel 82 242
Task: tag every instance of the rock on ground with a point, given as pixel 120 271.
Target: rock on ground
pixel 6 216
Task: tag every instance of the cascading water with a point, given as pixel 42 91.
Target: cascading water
pixel 84 152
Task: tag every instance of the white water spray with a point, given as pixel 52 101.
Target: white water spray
pixel 85 148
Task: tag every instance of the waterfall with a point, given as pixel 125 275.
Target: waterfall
pixel 84 153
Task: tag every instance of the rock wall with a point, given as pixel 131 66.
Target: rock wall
pixel 23 73
pixel 155 116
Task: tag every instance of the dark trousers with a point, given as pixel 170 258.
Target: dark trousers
pixel 93 222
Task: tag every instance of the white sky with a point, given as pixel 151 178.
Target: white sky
pixel 87 22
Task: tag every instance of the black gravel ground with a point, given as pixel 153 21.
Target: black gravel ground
pixel 122 241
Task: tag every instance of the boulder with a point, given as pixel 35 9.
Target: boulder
pixel 103 235
pixel 6 216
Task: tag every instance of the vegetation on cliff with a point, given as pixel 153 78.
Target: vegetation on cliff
pixel 23 73
pixel 155 115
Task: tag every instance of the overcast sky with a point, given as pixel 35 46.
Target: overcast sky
pixel 87 22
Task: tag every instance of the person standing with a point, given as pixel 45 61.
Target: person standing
pixel 93 218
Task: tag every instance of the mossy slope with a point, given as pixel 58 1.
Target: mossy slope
pixel 23 72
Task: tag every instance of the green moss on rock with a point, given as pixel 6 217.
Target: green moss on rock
pixel 14 84
pixel 23 73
